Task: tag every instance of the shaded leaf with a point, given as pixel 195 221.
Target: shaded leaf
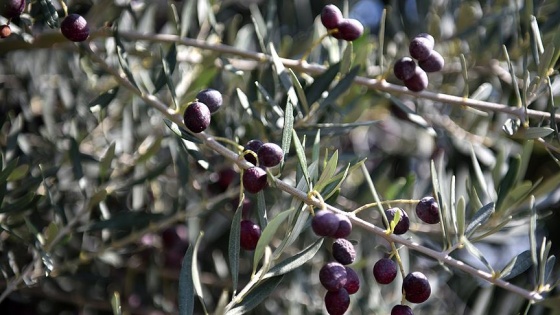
pixel 169 64
pixel 124 221
pixel 49 13
pixel 342 86
pixel 321 84
pixel 179 131
pixel 479 218
pixel 300 92
pixel 256 296
pixel 106 160
pixel 518 265
pixel 261 210
pixel 296 260
pixel 19 172
pixel 186 288
pixel 123 57
pixel 234 244
pixel 508 181
pixel 105 98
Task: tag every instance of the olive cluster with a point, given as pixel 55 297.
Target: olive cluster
pixel 254 179
pixel 340 280
pixel 74 27
pixel 416 287
pixel 340 27
pixel 197 114
pixel 421 48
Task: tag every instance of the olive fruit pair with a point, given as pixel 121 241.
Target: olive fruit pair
pixel 197 114
pixel 326 223
pixel 427 210
pixel 340 27
pixel 268 154
pixel 405 69
pixel 416 287
pixel 340 281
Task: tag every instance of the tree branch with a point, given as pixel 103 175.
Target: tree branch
pixel 208 140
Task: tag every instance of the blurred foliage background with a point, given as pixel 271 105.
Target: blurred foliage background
pixel 99 196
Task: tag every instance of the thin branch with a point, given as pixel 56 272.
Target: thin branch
pixel 296 193
pixel 49 39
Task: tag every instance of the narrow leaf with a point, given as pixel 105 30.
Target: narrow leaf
pixel 169 64
pixel 321 84
pixel 508 181
pixel 295 261
pixel 104 98
pixel 261 210
pixel 48 11
pixel 340 87
pixel 234 244
pixel 518 265
pixel 479 218
pixel 182 133
pixel 116 303
pixel 186 287
pixel 328 172
pixel 461 216
pixel 122 57
pixel 300 152
pixel 533 132
pixel 288 128
pixel 195 274
pixel 477 254
pixel 300 92
pixel 268 234
pixel 256 296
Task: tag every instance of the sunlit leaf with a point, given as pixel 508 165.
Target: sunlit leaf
pixel 116 303
pixel 328 172
pixel 268 234
pixel 477 254
pixel 300 152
